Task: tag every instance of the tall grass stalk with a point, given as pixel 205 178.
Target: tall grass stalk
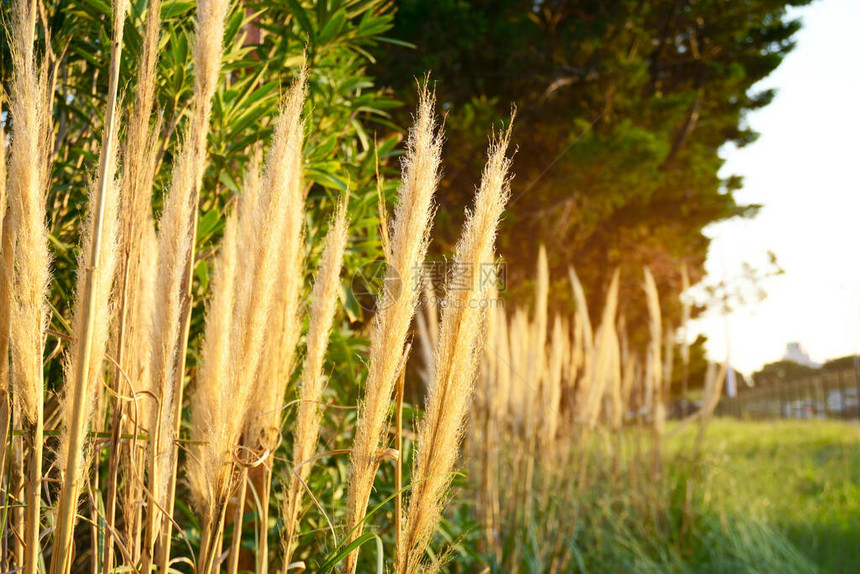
pixel 5 307
pixel 238 517
pixel 712 393
pixel 654 376
pixel 490 400
pixel 213 405
pixel 236 324
pixel 176 249
pixel 501 351
pixel 551 385
pixel 534 374
pixel 615 395
pixel 398 464
pixel 92 316
pixel 457 361
pixel 28 176
pixel 686 308
pixel 17 480
pixel 281 263
pixel 323 301
pixel 583 348
pixel 412 220
pixel 135 293
pixel 598 378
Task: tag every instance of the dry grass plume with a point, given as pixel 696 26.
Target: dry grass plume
pixel 655 364
pixel 412 220
pixel 280 213
pixel 30 109
pixel 458 353
pixel 227 398
pixel 90 322
pixel 176 241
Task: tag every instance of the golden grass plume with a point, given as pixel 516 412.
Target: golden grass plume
pixel 28 170
pixel 655 365
pixel 227 399
pixel 279 261
pixel 458 353
pixel 412 220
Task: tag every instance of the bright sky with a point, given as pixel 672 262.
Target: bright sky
pixel 805 170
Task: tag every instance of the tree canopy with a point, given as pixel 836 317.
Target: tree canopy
pixel 623 107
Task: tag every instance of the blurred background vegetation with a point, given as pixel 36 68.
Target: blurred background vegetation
pixel 622 105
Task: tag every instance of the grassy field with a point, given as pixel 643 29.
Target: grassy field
pixel 802 478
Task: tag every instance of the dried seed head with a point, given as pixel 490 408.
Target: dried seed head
pixel 412 220
pixel 456 363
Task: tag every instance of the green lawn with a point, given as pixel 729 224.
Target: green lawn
pixel 800 477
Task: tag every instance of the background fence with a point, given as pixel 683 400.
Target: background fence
pixel 830 395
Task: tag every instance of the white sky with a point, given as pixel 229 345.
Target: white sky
pixel 804 170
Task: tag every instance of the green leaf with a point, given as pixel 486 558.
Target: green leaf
pixel 332 27
pixel 325 178
pixel 350 303
pixel 396 42
pixel 201 271
pixel 302 17
pixel 338 557
pixel 207 224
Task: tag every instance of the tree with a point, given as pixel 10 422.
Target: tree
pixel 622 109
pixel 781 371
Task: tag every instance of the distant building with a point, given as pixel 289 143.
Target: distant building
pixel 795 353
